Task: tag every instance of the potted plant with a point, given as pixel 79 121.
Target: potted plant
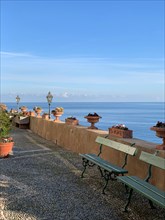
pixel 71 121
pixel 31 113
pixel 6 142
pixel 3 107
pixel 23 109
pixel 92 118
pixel 45 116
pixel 13 111
pixel 38 111
pixel 159 128
pixel 120 131
pixel 57 113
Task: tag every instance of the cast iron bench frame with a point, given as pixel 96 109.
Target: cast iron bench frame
pixel 108 170
pixel 151 192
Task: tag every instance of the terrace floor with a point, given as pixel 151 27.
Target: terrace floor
pixel 41 181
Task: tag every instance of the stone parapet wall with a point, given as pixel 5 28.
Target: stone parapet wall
pixel 79 139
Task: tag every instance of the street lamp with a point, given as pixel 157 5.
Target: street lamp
pixel 17 100
pixel 49 99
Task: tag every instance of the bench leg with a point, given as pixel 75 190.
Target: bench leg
pixel 101 171
pixel 107 177
pixel 129 200
pixel 126 188
pixel 85 163
pixel 106 183
pixel 151 205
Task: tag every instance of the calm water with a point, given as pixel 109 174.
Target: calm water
pixel 138 116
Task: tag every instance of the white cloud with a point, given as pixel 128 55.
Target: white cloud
pixel 65 95
pixel 12 54
pixel 69 77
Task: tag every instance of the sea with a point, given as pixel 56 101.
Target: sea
pixel 137 116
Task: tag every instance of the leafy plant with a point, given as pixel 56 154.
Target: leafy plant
pixel 5 126
pixel 120 126
pixel 58 109
pixel 37 108
pixel 92 115
pixel 23 107
pixel 160 124
pixel 71 117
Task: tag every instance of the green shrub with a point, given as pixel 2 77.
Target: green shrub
pixel 5 124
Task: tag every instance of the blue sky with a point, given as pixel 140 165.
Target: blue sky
pixel 82 50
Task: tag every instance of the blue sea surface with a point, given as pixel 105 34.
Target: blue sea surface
pixel 137 116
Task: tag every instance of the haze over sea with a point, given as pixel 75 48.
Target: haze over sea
pixel 137 116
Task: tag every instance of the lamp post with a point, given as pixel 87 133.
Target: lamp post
pixel 49 99
pixel 17 100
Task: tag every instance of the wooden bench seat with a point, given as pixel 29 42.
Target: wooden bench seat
pixel 152 193
pixel 108 169
pixel 104 164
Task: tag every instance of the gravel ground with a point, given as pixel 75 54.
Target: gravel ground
pixel 41 181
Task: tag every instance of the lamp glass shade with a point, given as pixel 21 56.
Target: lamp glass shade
pixel 49 97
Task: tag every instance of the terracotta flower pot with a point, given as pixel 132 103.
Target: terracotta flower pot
pixel 71 121
pixel 160 132
pixel 92 120
pixel 120 133
pixel 24 109
pixel 38 112
pixel 57 116
pixel 3 107
pixel 31 113
pixel 6 148
pixel 45 116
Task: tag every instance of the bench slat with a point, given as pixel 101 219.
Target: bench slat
pixel 148 186
pixel 150 194
pixel 104 164
pixel 153 159
pixel 116 145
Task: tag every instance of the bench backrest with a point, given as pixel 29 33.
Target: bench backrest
pixel 116 145
pixel 153 159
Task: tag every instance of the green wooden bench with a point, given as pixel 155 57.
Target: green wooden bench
pixel 152 193
pixel 107 169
